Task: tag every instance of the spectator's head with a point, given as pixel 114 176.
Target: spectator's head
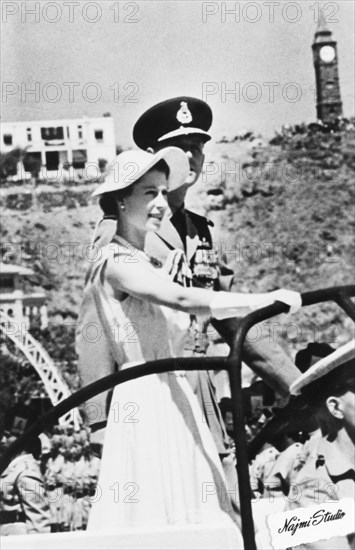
pixel 329 386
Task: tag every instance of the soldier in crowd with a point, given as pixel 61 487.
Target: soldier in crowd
pixel 70 479
pixel 50 486
pixel 23 504
pixel 54 481
pixel 328 473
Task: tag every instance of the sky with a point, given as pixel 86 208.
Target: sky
pixel 86 58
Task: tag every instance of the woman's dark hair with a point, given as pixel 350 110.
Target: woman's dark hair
pixel 162 166
pixel 108 204
pixel 108 201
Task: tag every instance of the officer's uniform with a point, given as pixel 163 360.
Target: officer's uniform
pixel 24 506
pixel 183 117
pixel 190 232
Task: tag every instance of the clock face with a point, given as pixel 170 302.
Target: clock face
pixel 327 54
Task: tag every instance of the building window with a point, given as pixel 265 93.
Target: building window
pixel 79 158
pixel 80 132
pixel 7 282
pixel 99 135
pixel 51 134
pixel 7 139
pixel 68 133
pixel 29 134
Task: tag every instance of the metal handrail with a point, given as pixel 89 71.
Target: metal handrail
pixel 104 384
pixel 339 294
pixel 233 363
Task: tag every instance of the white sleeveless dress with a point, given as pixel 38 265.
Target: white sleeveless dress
pixel 159 465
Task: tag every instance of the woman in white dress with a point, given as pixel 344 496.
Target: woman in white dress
pixel 159 464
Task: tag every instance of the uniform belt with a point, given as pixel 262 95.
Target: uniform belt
pixel 11 517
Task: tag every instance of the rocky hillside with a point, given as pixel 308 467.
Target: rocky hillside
pixel 283 214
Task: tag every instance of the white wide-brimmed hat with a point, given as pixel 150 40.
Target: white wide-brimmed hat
pixel 324 366
pixel 129 166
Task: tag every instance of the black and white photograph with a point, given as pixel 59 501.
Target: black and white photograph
pixel 177 293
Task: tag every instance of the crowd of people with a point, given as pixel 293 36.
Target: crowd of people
pixel 157 281
pixel 61 471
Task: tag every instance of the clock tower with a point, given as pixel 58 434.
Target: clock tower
pixel 325 59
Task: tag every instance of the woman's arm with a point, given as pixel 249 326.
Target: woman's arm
pixel 124 275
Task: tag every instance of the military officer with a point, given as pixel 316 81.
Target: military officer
pixel 23 505
pixel 184 122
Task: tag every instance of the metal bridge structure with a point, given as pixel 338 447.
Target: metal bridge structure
pixel 56 388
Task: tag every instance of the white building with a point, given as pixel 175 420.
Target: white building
pixel 65 144
pixel 22 307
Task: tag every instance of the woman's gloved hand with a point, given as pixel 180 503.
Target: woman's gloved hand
pixel 231 304
pixel 289 297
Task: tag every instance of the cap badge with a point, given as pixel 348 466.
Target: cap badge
pixel 183 115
